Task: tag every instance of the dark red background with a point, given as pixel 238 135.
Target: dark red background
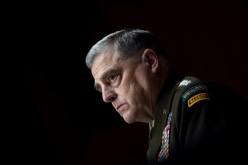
pixel 60 119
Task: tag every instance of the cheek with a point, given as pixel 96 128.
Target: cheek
pixel 133 88
pixel 136 94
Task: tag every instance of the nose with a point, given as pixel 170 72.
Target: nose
pixel 108 95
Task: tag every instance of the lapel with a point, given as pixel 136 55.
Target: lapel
pixel 162 111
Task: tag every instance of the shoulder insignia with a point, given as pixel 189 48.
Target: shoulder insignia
pixel 193 90
pixel 184 83
pixel 196 98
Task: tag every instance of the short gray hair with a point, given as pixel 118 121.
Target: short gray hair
pixel 128 43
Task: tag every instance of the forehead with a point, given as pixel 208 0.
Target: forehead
pixel 103 62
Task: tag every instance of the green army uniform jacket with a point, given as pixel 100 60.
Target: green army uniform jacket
pixel 193 123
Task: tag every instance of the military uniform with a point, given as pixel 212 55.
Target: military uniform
pixel 197 122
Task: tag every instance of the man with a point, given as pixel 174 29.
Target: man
pixel 191 121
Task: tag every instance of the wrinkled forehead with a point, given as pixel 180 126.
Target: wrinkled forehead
pixel 104 60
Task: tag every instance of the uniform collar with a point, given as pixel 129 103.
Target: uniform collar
pixel 169 86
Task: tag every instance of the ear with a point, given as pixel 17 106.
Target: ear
pixel 151 59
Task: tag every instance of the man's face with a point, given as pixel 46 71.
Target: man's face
pixel 124 83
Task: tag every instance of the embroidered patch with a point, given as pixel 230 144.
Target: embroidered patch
pixel 184 83
pixel 193 90
pixel 196 98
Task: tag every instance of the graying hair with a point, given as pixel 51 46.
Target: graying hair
pixel 127 42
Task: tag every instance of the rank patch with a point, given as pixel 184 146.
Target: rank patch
pixel 193 90
pixel 184 83
pixel 196 98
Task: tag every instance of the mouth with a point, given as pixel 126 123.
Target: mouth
pixel 118 107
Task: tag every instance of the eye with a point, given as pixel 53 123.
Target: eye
pixel 112 78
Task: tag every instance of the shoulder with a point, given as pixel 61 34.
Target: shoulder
pixel 187 82
pixel 192 90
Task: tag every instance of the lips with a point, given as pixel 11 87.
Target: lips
pixel 119 106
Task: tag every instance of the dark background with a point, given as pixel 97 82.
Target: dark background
pixel 56 116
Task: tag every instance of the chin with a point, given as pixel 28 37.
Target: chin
pixel 129 118
pixel 128 121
